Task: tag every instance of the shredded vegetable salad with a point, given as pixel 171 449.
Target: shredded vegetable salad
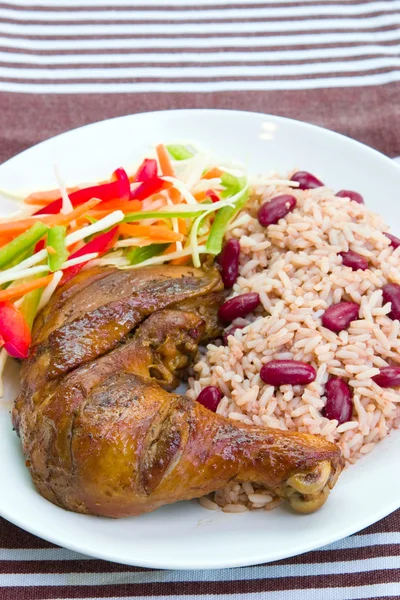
pixel 175 207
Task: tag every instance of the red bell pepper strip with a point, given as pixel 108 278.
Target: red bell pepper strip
pixel 212 195
pixel 101 244
pixel 147 170
pixel 148 188
pixel 15 336
pixel 121 176
pixel 115 190
pixel 39 246
pixel 51 209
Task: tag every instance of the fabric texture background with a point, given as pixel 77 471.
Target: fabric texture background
pixel 335 63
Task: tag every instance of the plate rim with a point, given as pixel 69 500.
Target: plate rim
pixel 83 547
pixel 278 118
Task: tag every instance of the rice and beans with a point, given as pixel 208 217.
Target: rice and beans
pixel 312 339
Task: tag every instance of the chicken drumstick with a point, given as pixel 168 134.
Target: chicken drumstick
pixel 101 433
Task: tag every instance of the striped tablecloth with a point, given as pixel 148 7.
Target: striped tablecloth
pixel 336 63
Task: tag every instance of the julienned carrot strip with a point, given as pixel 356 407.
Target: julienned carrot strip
pixel 35 201
pixel 13 228
pixel 43 198
pixel 76 213
pixel 127 206
pixel 175 195
pixel 171 248
pixel 5 240
pixel 150 231
pixel 124 205
pixel 182 226
pixel 212 173
pixel 166 169
pixel 20 290
pixel 183 260
pixel 177 261
pixel 199 196
pixel 163 159
pixel 77 246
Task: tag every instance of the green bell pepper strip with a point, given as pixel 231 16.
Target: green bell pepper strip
pixel 183 211
pixel 19 259
pixel 232 184
pixel 22 243
pixel 179 152
pixel 30 305
pixel 222 218
pixel 161 214
pixel 56 239
pixel 138 255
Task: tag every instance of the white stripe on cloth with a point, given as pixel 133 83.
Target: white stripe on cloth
pixel 75 29
pixel 199 57
pixel 191 14
pixel 356 541
pixel 302 39
pixel 133 3
pixel 366 565
pixel 207 86
pixel 203 72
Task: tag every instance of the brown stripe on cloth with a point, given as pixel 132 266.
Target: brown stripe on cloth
pixel 26 67
pixel 369 115
pixel 137 19
pixel 388 525
pixel 49 35
pixel 103 62
pixel 201 56
pixel 65 566
pixel 245 51
pixel 13 537
pixel 183 76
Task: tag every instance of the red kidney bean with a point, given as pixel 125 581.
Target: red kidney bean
pixel 231 331
pixel 277 208
pixel 229 262
pixel 339 316
pixel 388 377
pixel 354 260
pixel 394 241
pixel 355 196
pixel 287 372
pixel 339 403
pixel 239 306
pixel 307 181
pixel 210 397
pixel 391 293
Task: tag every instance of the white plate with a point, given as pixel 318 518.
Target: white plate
pixel 186 535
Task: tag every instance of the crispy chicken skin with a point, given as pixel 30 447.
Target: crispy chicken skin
pixel 100 428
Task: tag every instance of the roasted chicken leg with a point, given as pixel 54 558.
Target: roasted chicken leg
pixel 100 429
